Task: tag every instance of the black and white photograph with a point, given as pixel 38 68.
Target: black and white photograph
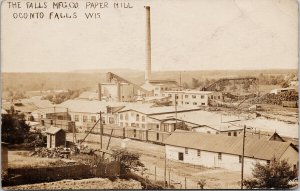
pixel 149 94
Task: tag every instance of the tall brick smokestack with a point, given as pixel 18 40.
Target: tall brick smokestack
pixel 148 45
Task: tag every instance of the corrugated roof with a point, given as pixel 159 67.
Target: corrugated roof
pixel 149 110
pixel 53 130
pixel 191 92
pixel 204 118
pixel 95 106
pixel 260 149
pixel 55 109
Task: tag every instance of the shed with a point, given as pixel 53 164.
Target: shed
pixel 55 137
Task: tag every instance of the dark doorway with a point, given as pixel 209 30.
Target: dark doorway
pixel 180 156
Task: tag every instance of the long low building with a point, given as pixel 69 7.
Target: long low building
pixel 226 152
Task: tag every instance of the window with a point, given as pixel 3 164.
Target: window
pixel 157 127
pixel 157 136
pixel 202 96
pixel 111 120
pixel 240 159
pixel 121 124
pixel 229 133
pixel 219 97
pixel 194 96
pixel 220 156
pixel 235 133
pixel 180 156
pixel 202 103
pixel 126 116
pixel 212 97
pixel 93 118
pixel 84 118
pixel 121 116
pixel 169 95
pixel 143 118
pixel 186 150
pixel 176 96
pixel 186 96
pixel 103 120
pixel 134 132
pixel 143 125
pixel 187 103
pixel 176 102
pixel 76 117
pixel 51 122
pixel 137 117
pixel 208 132
pixel 195 103
pixel 268 162
pixel 137 125
pixel 198 153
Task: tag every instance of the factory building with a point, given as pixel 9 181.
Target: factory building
pixel 192 97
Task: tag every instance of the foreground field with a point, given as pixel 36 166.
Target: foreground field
pixel 21 159
pixel 153 157
pixel 92 183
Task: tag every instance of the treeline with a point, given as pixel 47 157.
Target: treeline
pixel 263 79
pixel 58 98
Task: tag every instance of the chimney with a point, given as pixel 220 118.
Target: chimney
pixel 148 45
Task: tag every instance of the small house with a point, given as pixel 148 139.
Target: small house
pixel 55 137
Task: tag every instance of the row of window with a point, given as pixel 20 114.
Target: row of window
pixel 234 133
pixel 187 103
pixel 111 120
pixel 219 154
pixel 85 118
pixel 137 117
pixel 132 125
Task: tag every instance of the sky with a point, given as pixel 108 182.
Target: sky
pixel 185 35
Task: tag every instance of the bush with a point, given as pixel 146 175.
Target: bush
pixel 274 175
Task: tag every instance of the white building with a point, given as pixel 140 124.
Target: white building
pixel 192 97
pixel 225 152
pixel 141 117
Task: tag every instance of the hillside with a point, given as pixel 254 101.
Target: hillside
pixel 88 79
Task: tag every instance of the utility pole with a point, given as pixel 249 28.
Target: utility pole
pixel 54 116
pixel 155 174
pixel 175 113
pixel 169 178
pixel 180 87
pixel 101 131
pixel 242 173
pixel 165 172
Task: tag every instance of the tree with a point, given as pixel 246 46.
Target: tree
pixel 13 128
pixel 195 83
pixel 129 161
pixel 274 175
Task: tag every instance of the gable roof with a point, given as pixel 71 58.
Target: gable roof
pixel 254 148
pixel 53 130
